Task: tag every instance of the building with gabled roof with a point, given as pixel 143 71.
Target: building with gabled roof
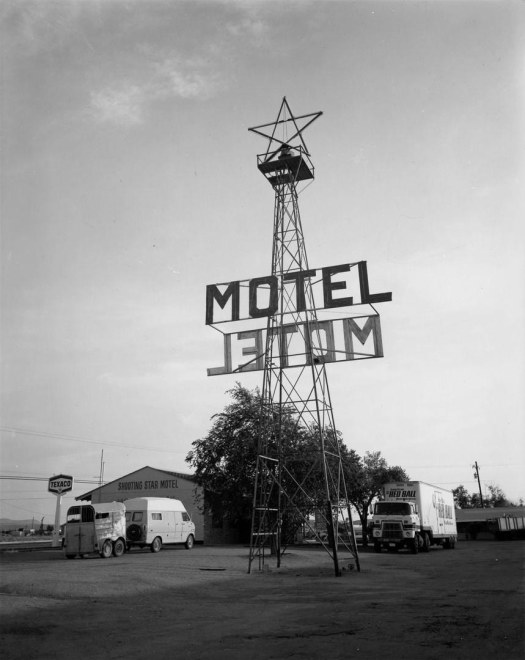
pixel 155 482
pixel 152 482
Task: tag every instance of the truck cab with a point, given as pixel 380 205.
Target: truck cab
pixel 414 515
pixel 395 525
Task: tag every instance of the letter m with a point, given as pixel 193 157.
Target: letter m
pixel 214 295
pixel 351 330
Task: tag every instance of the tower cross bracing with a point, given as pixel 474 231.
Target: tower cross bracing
pixel 295 393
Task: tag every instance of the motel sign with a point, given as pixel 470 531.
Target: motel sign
pixel 355 335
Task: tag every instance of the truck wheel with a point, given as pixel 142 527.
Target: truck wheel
pixel 426 543
pixel 107 549
pixel 70 556
pixel 414 545
pixel 377 546
pixel 156 545
pixel 189 542
pixel 119 547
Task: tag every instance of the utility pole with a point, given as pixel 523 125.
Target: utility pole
pixel 101 475
pixel 476 476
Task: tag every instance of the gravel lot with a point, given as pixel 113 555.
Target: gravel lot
pixel 202 604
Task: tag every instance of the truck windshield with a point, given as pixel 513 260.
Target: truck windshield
pixel 392 509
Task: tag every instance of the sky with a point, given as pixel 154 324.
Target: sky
pixel 129 182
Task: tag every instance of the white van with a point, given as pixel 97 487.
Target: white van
pixel 155 521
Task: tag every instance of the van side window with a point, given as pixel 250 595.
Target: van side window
pixel 156 516
pixel 185 516
pixel 137 516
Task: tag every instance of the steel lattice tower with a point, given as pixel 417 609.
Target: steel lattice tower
pixel 295 384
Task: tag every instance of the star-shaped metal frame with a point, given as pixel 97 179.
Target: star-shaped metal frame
pixel 283 120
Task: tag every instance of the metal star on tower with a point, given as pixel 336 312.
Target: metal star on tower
pixel 285 120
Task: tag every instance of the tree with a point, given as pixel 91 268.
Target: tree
pixel 465 500
pixel 497 497
pixel 475 501
pixel 365 478
pixel 462 498
pixel 225 460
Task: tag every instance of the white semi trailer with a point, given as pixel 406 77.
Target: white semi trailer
pixel 414 515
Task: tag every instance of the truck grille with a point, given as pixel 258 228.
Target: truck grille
pixel 392 531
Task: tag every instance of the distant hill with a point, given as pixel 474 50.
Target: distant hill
pixel 6 524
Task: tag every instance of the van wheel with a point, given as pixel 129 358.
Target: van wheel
pixel 119 548
pixel 156 545
pixel 189 542
pixel 107 549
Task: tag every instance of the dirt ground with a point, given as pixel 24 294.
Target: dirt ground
pixel 202 604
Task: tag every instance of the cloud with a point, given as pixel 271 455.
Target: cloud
pixel 38 26
pixel 191 78
pixel 122 106
pixel 126 104
pixel 250 27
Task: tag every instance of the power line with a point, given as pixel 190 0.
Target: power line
pixel 458 465
pixel 24 499
pixel 22 478
pixel 71 438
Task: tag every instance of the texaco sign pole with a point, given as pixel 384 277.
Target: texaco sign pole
pixel 59 485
